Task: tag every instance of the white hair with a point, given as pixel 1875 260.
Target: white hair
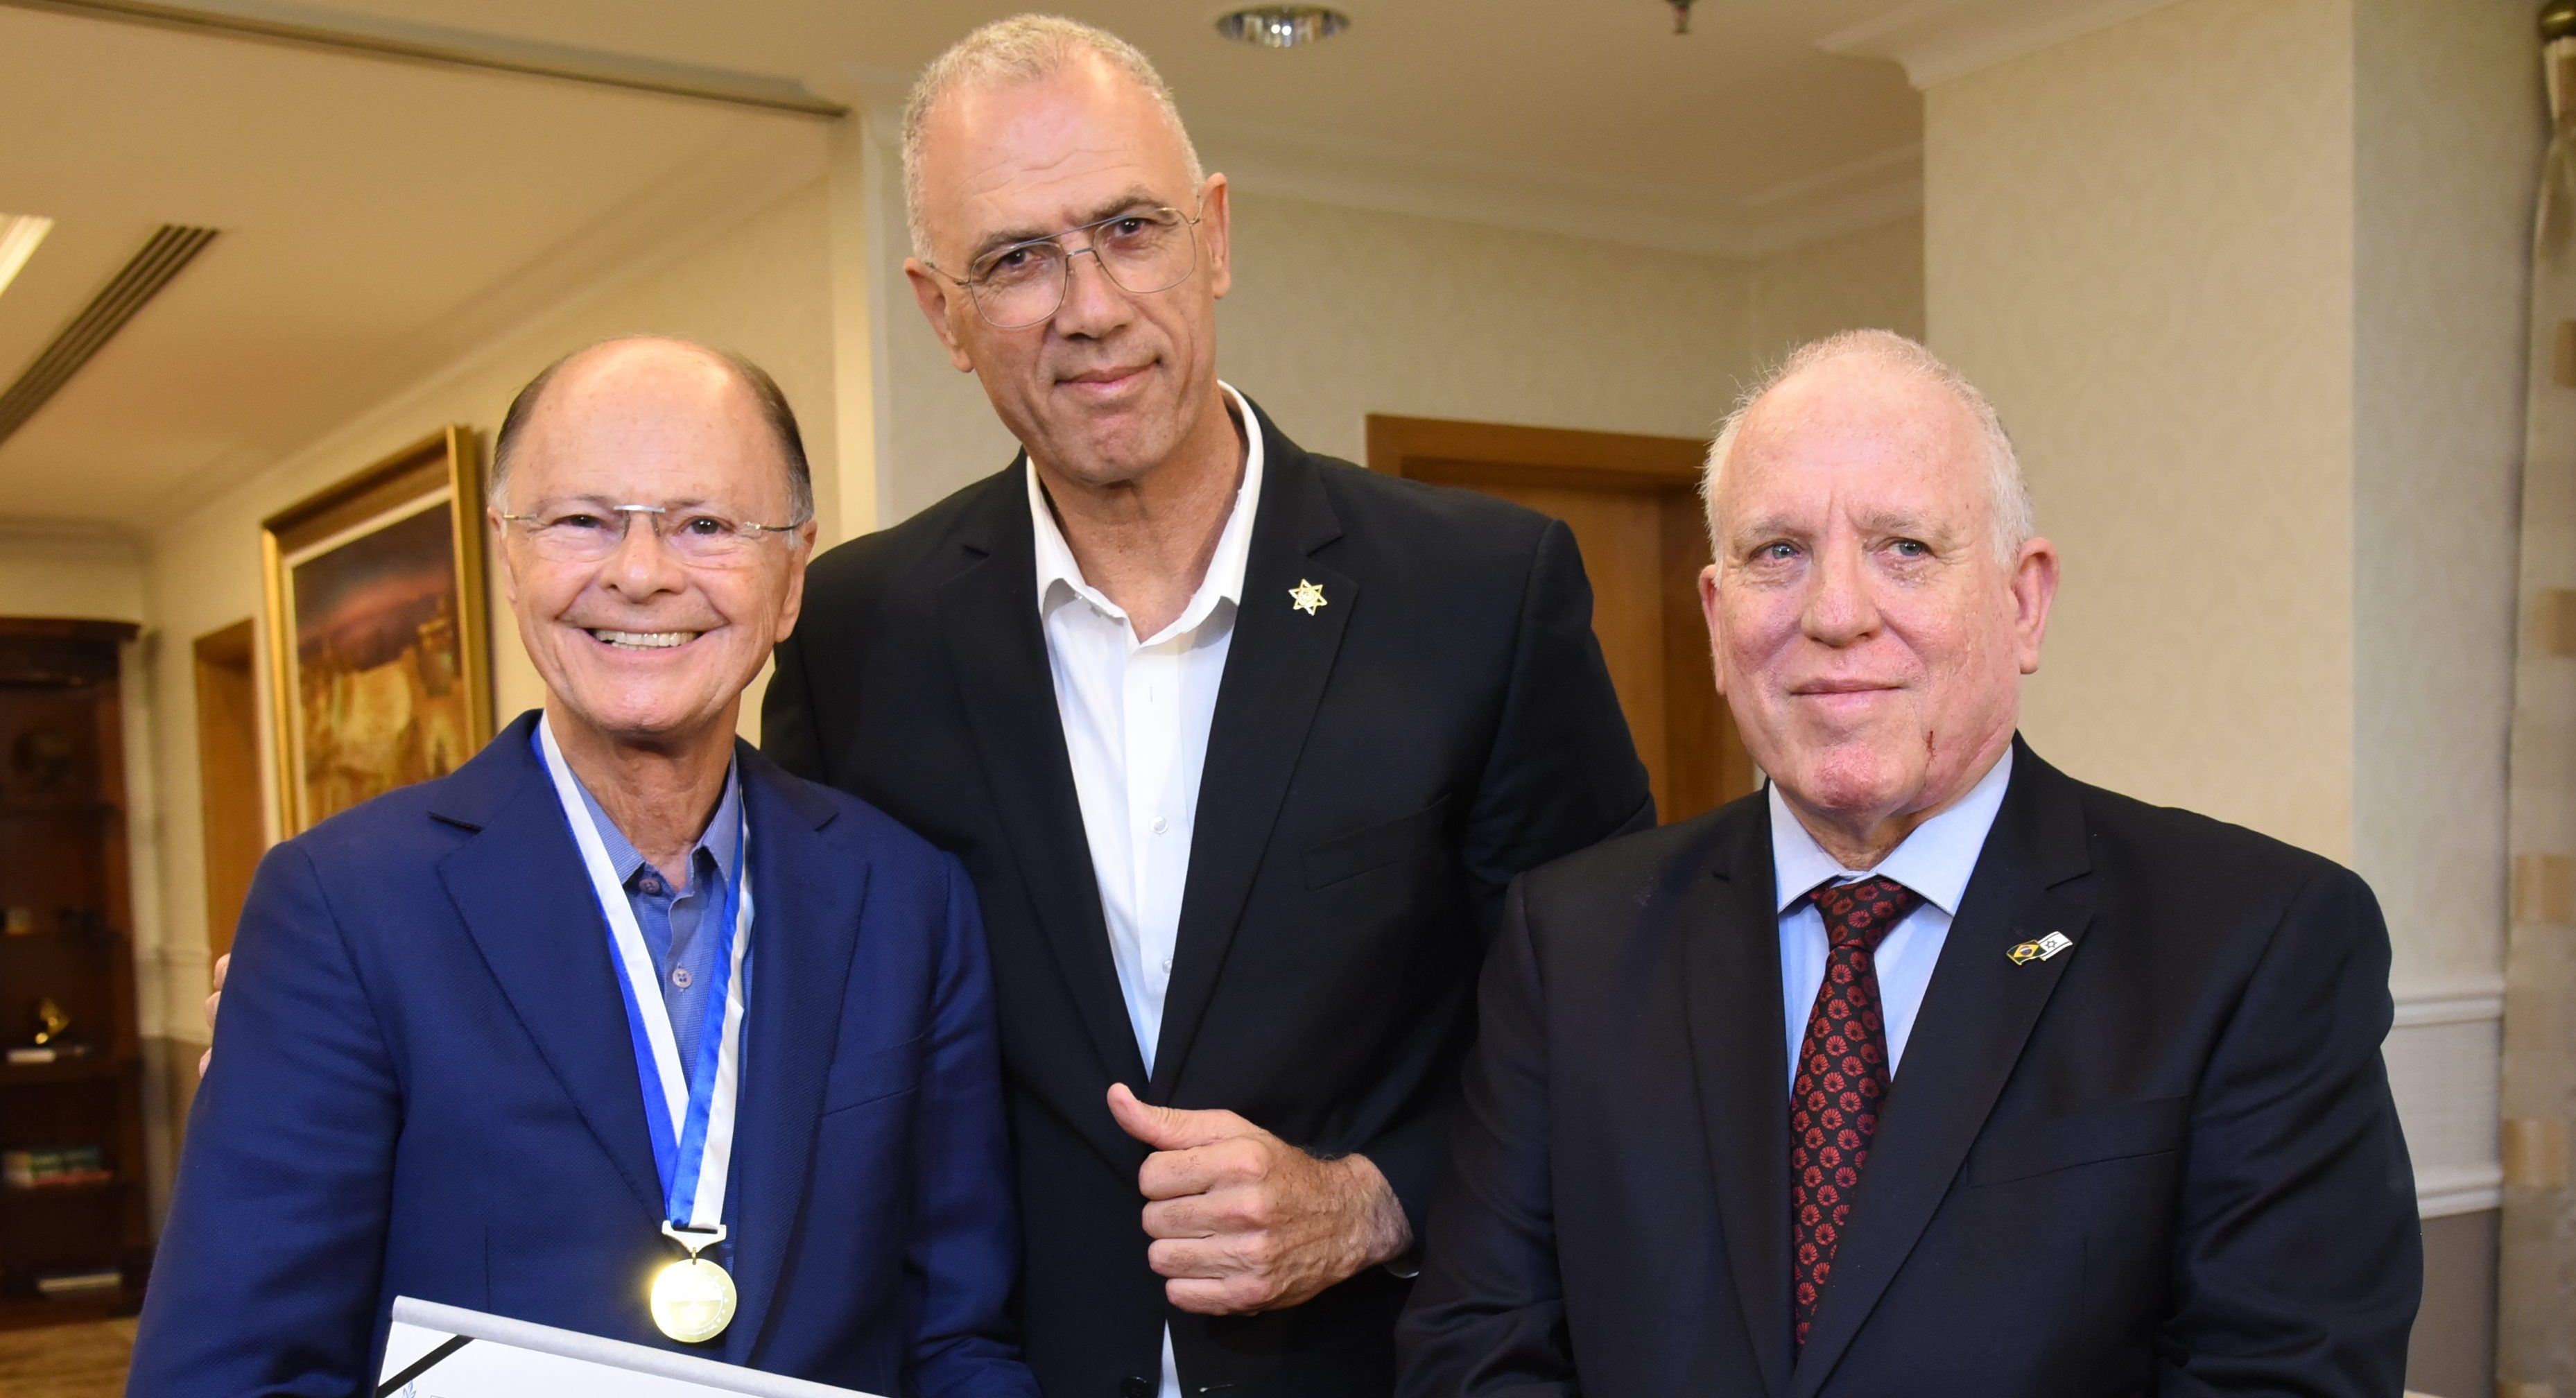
pixel 2015 519
pixel 1023 48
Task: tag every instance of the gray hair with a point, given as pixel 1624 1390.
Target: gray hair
pixel 1023 48
pixel 774 411
pixel 2016 520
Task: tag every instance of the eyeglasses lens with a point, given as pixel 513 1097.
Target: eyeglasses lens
pixel 1143 253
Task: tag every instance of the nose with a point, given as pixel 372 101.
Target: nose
pixel 1841 609
pixel 642 564
pixel 1094 306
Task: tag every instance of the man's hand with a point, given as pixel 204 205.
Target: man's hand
pixel 214 997
pixel 1243 1221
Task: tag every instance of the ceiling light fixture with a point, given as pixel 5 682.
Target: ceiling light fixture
pixel 1283 26
pixel 19 234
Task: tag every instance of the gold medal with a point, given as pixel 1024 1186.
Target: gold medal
pixel 693 1299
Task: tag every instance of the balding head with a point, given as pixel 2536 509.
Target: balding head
pixel 763 392
pixel 2015 519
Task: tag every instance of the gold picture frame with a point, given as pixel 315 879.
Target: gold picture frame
pixel 378 659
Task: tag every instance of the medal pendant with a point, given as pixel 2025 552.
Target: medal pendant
pixel 693 1299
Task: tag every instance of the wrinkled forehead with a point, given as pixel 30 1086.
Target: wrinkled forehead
pixel 653 427
pixel 1859 437
pixel 1028 157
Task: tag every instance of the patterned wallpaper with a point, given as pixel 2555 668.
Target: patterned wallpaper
pixel 2140 244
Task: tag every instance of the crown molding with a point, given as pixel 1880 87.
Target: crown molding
pixel 1875 189
pixel 391 37
pixel 1938 40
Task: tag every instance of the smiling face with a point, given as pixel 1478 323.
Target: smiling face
pixel 1868 637
pixel 644 648
pixel 1114 384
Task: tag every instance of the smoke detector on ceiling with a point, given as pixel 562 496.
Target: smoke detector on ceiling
pixel 1282 26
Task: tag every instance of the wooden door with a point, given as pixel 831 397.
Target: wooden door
pixel 228 777
pixel 1633 504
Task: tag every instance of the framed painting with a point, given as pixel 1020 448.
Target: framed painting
pixel 378 671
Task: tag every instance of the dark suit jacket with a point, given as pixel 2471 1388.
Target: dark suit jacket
pixel 426 1088
pixel 2162 1161
pixel 1377 772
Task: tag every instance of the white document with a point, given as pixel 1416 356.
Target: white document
pixel 436 1351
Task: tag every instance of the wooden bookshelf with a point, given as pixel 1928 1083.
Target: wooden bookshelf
pixel 64 887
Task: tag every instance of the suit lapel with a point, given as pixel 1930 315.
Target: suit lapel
pixel 1730 985
pixel 989 613
pixel 1275 672
pixel 520 888
pixel 1976 1016
pixel 809 910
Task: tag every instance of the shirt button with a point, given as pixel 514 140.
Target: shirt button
pixel 651 885
pixel 1167 965
pixel 680 977
pixel 1160 825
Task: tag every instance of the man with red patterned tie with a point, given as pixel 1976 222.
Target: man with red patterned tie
pixel 2082 1096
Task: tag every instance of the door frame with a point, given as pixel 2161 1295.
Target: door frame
pixel 1707 762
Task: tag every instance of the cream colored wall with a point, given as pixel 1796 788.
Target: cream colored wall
pixel 58 571
pixel 1337 313
pixel 2245 279
pixel 2140 244
pixel 2449 128
pixel 760 287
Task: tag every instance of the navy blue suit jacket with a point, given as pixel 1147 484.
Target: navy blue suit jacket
pixel 426 1088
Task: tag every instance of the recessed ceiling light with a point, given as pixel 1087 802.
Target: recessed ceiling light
pixel 19 234
pixel 1283 26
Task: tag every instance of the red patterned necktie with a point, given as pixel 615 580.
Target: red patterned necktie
pixel 1841 1083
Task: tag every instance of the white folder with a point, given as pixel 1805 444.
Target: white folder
pixel 436 1351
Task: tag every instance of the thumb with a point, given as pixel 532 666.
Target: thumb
pixel 1166 1128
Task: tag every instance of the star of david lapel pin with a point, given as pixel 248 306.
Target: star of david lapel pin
pixel 1306 596
pixel 2041 949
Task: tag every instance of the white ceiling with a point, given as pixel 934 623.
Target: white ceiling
pixel 381 217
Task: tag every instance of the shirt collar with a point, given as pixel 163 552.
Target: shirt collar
pixel 717 842
pixel 1935 861
pixel 1060 577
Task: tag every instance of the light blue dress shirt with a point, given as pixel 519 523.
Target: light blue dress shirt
pixel 684 962
pixel 1935 861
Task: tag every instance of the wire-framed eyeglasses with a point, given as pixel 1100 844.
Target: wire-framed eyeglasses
pixel 587 531
pixel 1142 251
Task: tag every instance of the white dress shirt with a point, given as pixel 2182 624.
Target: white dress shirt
pixel 1935 861
pixel 1136 715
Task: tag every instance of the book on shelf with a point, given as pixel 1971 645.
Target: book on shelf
pixel 47 1053
pixel 83 1282
pixel 54 1167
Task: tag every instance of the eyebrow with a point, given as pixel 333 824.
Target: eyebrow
pixel 1910 526
pixel 1136 196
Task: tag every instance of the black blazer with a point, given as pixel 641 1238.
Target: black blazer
pixel 1376 774
pixel 2162 1161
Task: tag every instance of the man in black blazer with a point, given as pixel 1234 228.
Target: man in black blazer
pixel 1240 745
pixel 2086 1095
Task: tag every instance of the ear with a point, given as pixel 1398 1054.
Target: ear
pixel 936 296
pixel 2034 591
pixel 1216 234
pixel 793 604
pixel 1708 609
pixel 501 550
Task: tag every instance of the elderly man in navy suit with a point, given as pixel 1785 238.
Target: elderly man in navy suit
pixel 1927 1070
pixel 618 1028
